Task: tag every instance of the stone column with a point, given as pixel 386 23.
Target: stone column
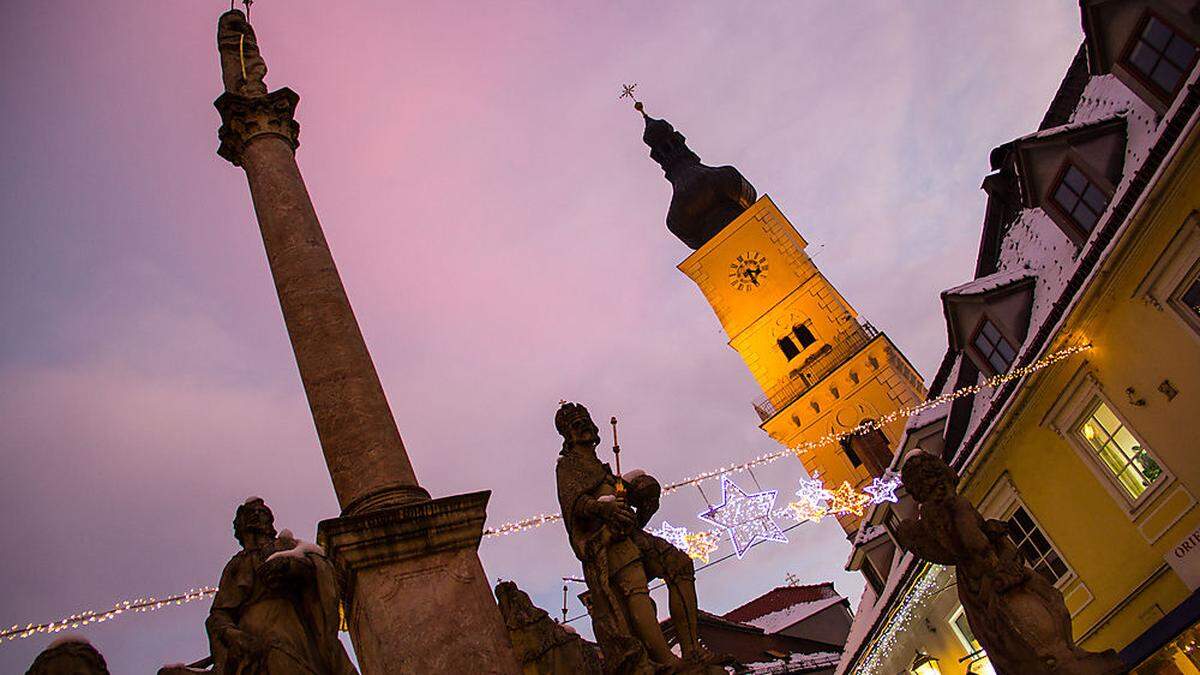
pixel 417 598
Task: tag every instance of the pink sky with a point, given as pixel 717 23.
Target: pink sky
pixel 500 229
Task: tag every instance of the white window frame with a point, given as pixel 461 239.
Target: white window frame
pixel 1178 264
pixel 962 639
pixel 1002 501
pixel 1080 399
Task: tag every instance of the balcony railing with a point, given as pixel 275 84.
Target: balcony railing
pixel 814 369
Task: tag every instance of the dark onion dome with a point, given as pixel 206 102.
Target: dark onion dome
pixel 705 199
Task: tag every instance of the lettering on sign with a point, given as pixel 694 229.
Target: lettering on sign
pixel 1184 558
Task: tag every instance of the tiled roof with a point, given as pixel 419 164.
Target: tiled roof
pixel 779 599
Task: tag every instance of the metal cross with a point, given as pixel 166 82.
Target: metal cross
pixel 792 579
pixel 627 90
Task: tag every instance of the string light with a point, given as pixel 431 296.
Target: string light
pixel 803 510
pixel 699 544
pixel 898 624
pixel 90 616
pixel 828 439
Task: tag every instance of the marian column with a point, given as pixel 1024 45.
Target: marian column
pixel 417 599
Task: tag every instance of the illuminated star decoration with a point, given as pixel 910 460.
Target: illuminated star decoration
pixel 883 489
pixel 700 545
pixel 805 509
pixel 845 500
pixel 747 517
pixel 812 490
pixel 677 536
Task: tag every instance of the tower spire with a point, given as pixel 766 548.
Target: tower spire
pixel 704 199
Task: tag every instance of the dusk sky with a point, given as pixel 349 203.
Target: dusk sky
pixel 499 227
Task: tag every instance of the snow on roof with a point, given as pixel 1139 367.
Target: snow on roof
pixel 794 662
pixel 780 598
pixel 790 616
pixel 988 283
pixel 869 611
pixel 1074 125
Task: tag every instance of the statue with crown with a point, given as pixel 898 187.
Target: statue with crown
pixel 605 514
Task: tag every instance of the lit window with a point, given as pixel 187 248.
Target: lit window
pixel 789 349
pixel 1191 297
pixel 804 335
pixel 1161 55
pixel 1131 465
pixel 1034 546
pixel 993 348
pixel 1079 198
pixel 962 630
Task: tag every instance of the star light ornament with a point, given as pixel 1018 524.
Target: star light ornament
pixel 700 545
pixel 883 489
pixel 846 500
pixel 747 517
pixel 677 536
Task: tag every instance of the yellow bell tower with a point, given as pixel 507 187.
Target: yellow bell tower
pixel 820 366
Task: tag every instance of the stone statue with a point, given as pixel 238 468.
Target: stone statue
pixel 1017 615
pixel 542 646
pixel 70 655
pixel 242 66
pixel 604 527
pixel 277 610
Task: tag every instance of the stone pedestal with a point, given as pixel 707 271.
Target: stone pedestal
pixel 417 598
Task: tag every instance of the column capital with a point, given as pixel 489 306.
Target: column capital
pixel 245 118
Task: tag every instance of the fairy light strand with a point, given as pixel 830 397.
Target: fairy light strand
pixel 150 604
pixel 826 440
pixel 139 605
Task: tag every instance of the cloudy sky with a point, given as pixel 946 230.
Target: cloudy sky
pixel 500 230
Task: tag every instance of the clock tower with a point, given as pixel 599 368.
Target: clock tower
pixel 820 365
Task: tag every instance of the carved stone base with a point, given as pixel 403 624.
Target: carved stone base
pixel 417 598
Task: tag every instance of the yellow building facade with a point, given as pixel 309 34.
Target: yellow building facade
pixel 1092 236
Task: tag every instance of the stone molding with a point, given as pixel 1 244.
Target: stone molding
pixel 245 118
pixel 401 533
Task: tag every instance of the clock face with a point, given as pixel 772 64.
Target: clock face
pixel 748 271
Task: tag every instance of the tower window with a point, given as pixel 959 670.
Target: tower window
pixel 993 348
pixel 1078 198
pixel 1160 55
pixel 789 349
pixel 851 455
pixel 804 335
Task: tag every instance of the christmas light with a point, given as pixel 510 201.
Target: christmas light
pixel 697 542
pixel 805 510
pixel 813 490
pixel 883 489
pixel 846 500
pixel 677 536
pixel 701 545
pixel 826 440
pixel 900 623
pixel 91 616
pixel 747 517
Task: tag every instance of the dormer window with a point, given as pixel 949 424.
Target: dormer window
pixel 1160 56
pixel 993 348
pixel 1078 198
